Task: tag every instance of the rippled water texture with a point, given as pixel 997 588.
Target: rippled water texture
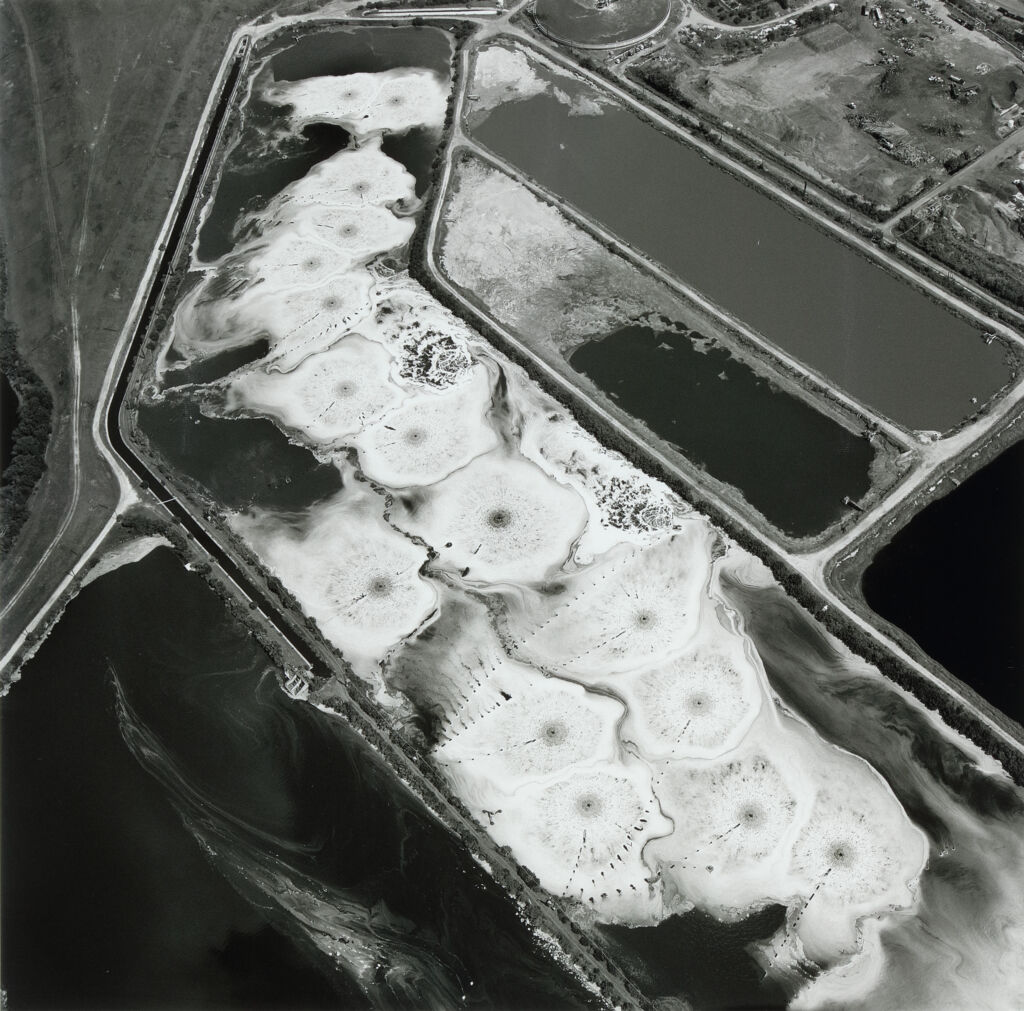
pixel 148 752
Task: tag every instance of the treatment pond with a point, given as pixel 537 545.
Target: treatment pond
pixel 885 342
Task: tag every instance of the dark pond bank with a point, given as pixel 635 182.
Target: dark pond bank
pixel 108 901
pixel 790 461
pixel 953 579
pixel 877 337
pixel 8 421
pixel 694 954
pixel 242 461
pixel 217 366
pixel 269 157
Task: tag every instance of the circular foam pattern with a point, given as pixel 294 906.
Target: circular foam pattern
pixel 373 595
pixel 430 435
pixel 301 322
pixel 352 572
pixel 701 703
pixel 291 260
pixel 637 608
pixel 392 100
pixel 354 234
pixel 858 855
pixel 499 519
pixel 731 815
pixel 535 727
pixel 584 834
pixel 328 397
pixel 860 849
pixel 356 177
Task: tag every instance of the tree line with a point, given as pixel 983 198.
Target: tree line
pixel 30 438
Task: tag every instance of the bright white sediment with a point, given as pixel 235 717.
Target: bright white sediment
pixel 500 519
pixel 329 397
pixel 631 608
pixel 430 435
pixel 353 573
pixel 392 101
pixel 554 611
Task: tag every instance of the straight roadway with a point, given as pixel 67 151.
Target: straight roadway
pixel 1013 141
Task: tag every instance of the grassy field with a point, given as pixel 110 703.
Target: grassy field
pixel 874 108
pixel 102 100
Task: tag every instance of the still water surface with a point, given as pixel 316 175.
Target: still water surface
pixel 242 461
pixel 791 462
pixel 880 339
pixel 108 899
pixel 953 579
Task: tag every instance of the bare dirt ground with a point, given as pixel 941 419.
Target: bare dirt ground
pixel 548 257
pixel 977 227
pixel 101 103
pixel 930 97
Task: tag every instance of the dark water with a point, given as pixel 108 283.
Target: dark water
pixel 268 158
pixel 953 579
pixel 789 460
pixel 696 955
pixel 8 419
pixel 247 183
pixel 415 150
pixel 217 366
pixel 840 313
pixel 108 901
pixel 362 50
pixel 242 461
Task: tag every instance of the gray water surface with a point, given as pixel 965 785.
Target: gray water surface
pixel 886 343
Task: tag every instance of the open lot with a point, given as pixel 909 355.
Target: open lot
pixel 874 106
pixel 977 227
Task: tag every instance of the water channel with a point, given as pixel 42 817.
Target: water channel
pixel 883 341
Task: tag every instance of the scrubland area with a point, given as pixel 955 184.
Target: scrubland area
pixel 875 108
pixel 977 227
